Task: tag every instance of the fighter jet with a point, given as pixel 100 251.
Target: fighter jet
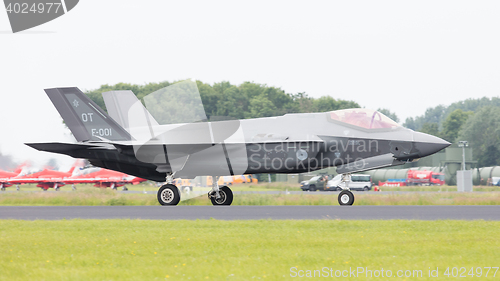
pixel 154 143
pixel 44 179
pixel 103 178
pixel 5 176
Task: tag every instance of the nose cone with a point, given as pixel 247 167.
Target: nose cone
pixel 428 144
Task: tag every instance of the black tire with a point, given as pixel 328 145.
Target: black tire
pixel 226 197
pixel 366 188
pixel 168 195
pixel 346 198
pixel 3 188
pixel 124 189
pixel 312 188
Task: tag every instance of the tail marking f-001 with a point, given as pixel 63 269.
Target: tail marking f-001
pixel 84 118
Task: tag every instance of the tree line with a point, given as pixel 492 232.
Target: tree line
pixel 474 120
pixel 247 100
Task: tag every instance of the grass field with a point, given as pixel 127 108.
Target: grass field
pixel 91 196
pixel 240 250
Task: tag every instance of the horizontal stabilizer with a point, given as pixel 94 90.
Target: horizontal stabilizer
pixel 58 147
pixel 375 162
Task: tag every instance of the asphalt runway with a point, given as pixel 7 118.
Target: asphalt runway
pixel 251 212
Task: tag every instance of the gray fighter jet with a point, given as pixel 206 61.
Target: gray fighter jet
pixel 150 142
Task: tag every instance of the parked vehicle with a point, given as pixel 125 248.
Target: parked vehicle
pixel 416 177
pixel 244 179
pixel 315 183
pixel 358 182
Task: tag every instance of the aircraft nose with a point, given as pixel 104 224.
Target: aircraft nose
pixel 428 144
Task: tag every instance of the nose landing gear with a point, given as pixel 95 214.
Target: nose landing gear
pixel 346 198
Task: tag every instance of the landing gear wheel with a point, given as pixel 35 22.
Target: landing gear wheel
pixel 124 189
pixel 226 197
pixel 3 188
pixel 168 195
pixel 346 198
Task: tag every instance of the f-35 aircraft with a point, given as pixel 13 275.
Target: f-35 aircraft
pixel 150 142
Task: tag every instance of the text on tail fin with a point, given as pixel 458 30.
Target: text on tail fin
pixel 86 120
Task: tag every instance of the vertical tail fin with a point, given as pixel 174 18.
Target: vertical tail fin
pixel 86 120
pixel 119 103
pixel 71 170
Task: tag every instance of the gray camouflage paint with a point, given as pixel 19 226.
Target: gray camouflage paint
pixel 132 141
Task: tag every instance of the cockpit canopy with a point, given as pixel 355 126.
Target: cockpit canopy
pixel 364 118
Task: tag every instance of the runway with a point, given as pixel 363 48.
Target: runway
pixel 251 212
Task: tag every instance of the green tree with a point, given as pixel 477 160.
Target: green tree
pixel 482 131
pixel 438 114
pixel 261 106
pixel 490 157
pixel 389 114
pixel 247 100
pixel 410 123
pixel 325 104
pixel 431 129
pixel 453 124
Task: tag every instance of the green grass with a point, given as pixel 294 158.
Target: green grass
pixel 485 198
pixel 476 188
pixel 238 250
pixel 105 197
pixel 81 197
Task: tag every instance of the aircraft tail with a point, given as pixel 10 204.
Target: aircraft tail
pixel 71 170
pixel 20 168
pixel 86 120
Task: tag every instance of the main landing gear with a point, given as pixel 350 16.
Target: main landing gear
pixel 220 196
pixel 169 195
pixel 346 198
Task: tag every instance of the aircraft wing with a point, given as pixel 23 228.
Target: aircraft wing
pixel 370 163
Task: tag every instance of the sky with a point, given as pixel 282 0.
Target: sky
pixel 404 56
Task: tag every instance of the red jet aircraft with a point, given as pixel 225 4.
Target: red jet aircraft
pixel 103 178
pixel 44 179
pixel 6 176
